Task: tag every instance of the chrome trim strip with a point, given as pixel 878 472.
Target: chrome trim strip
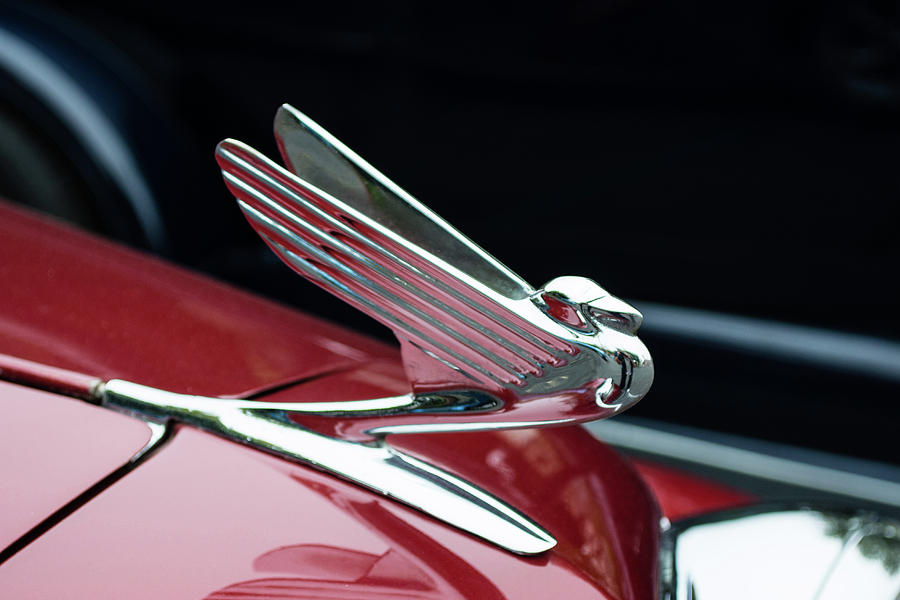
pixel 360 278
pixel 387 310
pixel 158 431
pixel 850 482
pixel 375 466
pixel 445 427
pixel 260 176
pixel 482 299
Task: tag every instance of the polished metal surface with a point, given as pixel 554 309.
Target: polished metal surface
pixel 376 466
pixel 466 323
pixel 158 432
pixel 796 553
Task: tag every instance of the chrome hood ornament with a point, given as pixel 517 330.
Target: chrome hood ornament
pixel 482 348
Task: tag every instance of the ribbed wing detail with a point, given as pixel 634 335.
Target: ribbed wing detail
pixel 389 278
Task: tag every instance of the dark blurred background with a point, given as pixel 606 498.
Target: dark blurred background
pixel 739 158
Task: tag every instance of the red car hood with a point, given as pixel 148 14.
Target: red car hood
pixel 74 301
pixel 214 515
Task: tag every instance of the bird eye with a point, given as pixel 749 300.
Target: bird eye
pixel 564 312
pixel 620 320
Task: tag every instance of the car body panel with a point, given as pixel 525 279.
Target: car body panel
pixel 54 449
pixel 76 302
pixel 589 498
pixel 205 517
pixel 682 495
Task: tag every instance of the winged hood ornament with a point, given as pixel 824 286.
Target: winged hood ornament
pixel 482 349
pixel 480 346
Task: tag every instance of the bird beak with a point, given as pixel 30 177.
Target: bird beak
pixel 615 314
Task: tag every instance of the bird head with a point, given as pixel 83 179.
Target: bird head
pixel 581 304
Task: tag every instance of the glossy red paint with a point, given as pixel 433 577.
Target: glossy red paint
pixel 30 373
pixel 76 302
pixel 576 487
pixel 681 495
pixel 209 518
pixel 53 449
pixel 580 490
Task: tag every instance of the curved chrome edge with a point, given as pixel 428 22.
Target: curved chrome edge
pixel 798 550
pixel 375 466
pixel 444 427
pixel 455 402
pixel 158 432
pixel 158 435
